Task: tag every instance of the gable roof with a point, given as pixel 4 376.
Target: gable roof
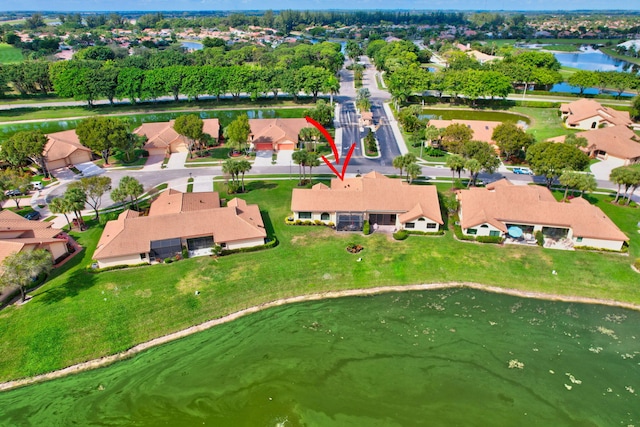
pixel 617 141
pixel 162 134
pixel 132 234
pixel 584 108
pixel 16 232
pixel 61 145
pixel 372 193
pixel 533 204
pixel 174 201
pixel 276 130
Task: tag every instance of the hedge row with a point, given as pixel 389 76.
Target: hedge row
pixel 270 244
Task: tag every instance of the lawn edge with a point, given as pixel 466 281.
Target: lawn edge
pixel 108 360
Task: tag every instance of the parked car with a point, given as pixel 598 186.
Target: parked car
pixel 13 193
pixel 522 171
pixel 33 216
pixel 37 185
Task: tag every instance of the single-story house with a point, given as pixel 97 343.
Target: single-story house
pixel 275 134
pixel 177 220
pixel 495 209
pixel 19 234
pixel 64 149
pixel 613 141
pixel 162 139
pixel 482 129
pixel 383 201
pixel 589 114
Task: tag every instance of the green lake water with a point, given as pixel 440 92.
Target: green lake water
pixel 460 114
pixel 435 358
pixel 225 116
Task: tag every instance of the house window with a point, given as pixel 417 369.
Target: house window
pixel 325 216
pixel 578 239
pixel 143 256
pixel 304 215
pixel 494 233
pixel 472 231
pixel 593 125
pixel 431 225
pixel 410 225
pixel 421 219
pixel 484 226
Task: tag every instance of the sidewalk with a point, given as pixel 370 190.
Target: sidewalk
pixel 396 130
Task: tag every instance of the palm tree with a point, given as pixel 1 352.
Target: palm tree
pixel 313 161
pixel 332 86
pixel 230 167
pixel 398 163
pixel 243 166
pixel 456 163
pixel 300 158
pixel 60 205
pixel 20 268
pixel 474 167
pixel 413 171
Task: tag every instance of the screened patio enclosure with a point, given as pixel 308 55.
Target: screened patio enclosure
pixel 349 221
pixel 197 243
pixel 382 219
pixel 167 248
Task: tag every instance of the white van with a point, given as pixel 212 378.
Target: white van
pixel 37 185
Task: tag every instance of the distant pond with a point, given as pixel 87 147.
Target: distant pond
pixel 496 116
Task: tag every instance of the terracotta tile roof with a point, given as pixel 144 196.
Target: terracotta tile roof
pixel 482 130
pixel 162 134
pixel 372 192
pixel 275 131
pixel 17 231
pixel 535 205
pixel 62 144
pixel 131 234
pixel 585 108
pixel 617 141
pixel 174 201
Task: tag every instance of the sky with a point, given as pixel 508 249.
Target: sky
pixel 155 5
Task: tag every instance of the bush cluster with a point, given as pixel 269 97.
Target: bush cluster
pixel 539 238
pixel 270 244
pixel 489 239
pixel 366 228
pixel 400 235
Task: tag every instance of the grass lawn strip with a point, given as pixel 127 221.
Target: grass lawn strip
pixel 79 316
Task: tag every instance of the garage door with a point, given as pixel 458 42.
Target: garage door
pixel 263 146
pixel 288 146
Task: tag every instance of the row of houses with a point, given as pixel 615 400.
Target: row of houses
pixel 197 221
pixel 64 148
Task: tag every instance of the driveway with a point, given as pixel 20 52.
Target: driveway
pixel 154 162
pixel 602 170
pixel 177 160
pixel 63 174
pixel 263 158
pixel 202 184
pixel 89 169
pixel 284 158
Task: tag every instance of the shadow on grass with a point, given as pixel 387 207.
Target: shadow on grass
pixel 76 282
pixel 259 185
pixel 268 225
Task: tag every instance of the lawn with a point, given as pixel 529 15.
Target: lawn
pixel 10 54
pixel 78 316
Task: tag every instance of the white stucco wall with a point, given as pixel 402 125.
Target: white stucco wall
pixel 611 245
pixel 482 231
pixel 421 225
pixel 316 216
pixel 122 260
pixel 246 243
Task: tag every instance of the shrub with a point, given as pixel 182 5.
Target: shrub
pixel 366 228
pixel 489 239
pixel 106 217
pixel 185 253
pixel 168 260
pixel 308 222
pixel 270 244
pixel 400 235
pixel 433 152
pixel 637 264
pixel 289 220
pixel 440 232
pixel 331 224
pixel 539 238
pixel 318 222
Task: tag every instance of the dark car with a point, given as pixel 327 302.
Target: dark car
pixel 33 216
pixel 12 193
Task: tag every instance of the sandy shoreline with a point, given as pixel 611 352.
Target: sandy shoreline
pixel 107 360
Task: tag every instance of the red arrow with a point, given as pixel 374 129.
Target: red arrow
pixel 334 149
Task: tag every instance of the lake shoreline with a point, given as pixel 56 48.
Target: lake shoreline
pixel 108 360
